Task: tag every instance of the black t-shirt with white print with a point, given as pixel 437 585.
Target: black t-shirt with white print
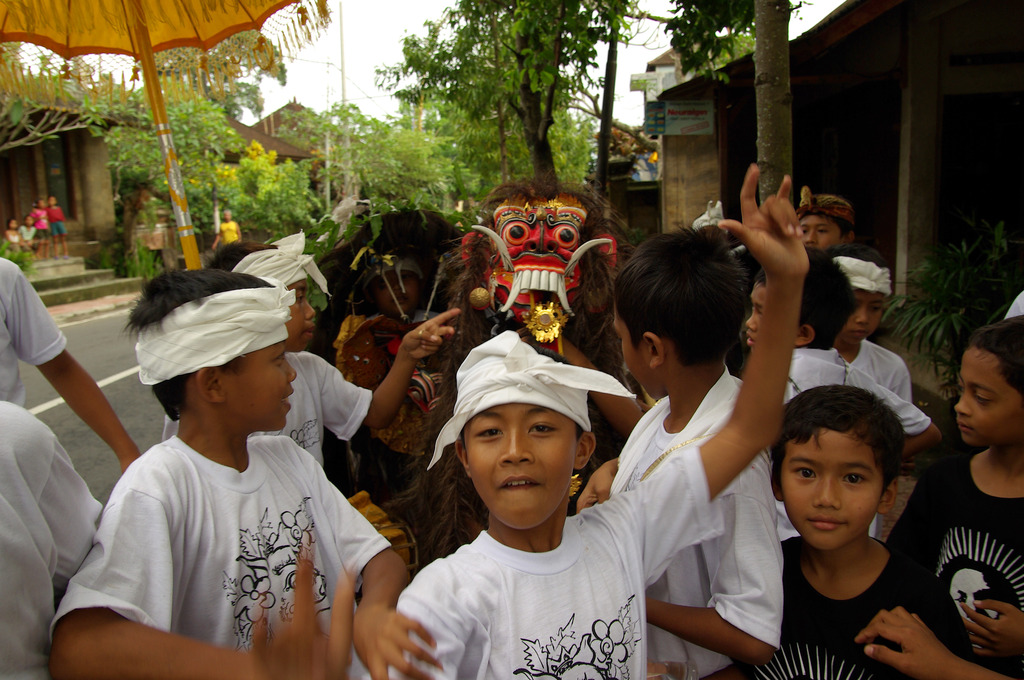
pixel 817 631
pixel 972 541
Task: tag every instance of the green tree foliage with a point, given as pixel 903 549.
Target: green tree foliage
pixel 246 95
pixel 710 33
pixel 266 194
pixel 389 159
pixel 468 144
pixel 24 122
pixel 24 260
pixel 506 59
pixel 202 137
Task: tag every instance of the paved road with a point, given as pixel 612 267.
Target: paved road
pixel 105 350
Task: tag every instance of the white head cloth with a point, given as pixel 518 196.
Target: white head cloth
pixel 287 264
pixel 505 370
pixel 864 275
pixel 213 330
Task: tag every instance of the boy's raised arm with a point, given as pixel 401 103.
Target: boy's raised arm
pixel 771 233
pixel 418 343
pixel 86 399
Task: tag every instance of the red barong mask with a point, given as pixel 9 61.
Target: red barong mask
pixel 534 274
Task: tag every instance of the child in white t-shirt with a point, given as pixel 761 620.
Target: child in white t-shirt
pixel 28 333
pixel 869 278
pixel 322 397
pixel 720 600
pixel 47 521
pixel 201 537
pixel 540 595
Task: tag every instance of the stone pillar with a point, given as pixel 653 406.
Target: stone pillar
pixel 73 211
pixel 97 190
pixel 917 190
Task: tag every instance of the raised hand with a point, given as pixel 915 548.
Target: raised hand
pixel 428 337
pixel 301 651
pixel 771 231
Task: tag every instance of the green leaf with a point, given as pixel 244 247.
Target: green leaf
pixel 17 110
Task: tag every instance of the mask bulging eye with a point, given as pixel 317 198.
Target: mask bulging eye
pixel 567 237
pixel 514 234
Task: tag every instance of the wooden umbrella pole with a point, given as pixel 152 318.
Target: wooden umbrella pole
pixel 179 202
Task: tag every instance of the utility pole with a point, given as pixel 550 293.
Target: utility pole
pixel 345 140
pixel 327 149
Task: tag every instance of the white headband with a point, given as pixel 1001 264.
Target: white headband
pixel 505 370
pixel 864 275
pixel 213 330
pixel 286 263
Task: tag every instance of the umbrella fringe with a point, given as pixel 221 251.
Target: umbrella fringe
pixel 284 33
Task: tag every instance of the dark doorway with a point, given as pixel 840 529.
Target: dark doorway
pixel 982 172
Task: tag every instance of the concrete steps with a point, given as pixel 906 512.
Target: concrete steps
pixel 61 282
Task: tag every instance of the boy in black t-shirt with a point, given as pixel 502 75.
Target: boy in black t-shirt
pixel 834 467
pixel 963 521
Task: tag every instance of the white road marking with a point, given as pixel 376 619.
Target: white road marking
pixel 46 406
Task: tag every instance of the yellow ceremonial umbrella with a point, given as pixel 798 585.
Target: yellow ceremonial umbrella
pixel 138 28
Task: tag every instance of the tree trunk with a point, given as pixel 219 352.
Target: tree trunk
pixel 536 119
pixel 605 134
pixel 535 131
pixel 772 93
pixel 502 143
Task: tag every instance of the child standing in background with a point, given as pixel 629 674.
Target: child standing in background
pixel 825 218
pixel 58 230
pixel 13 237
pixel 28 233
pixel 869 277
pixel 40 220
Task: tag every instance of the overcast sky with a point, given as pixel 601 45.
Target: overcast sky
pixel 314 78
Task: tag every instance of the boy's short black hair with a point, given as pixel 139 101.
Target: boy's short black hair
pixel 165 293
pixel 857 251
pixel 846 409
pixel 687 287
pixel 828 300
pixel 1005 341
pixel 229 255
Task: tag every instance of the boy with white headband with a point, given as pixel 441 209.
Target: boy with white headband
pixel 322 397
pixel 540 595
pixel 868 273
pixel 200 538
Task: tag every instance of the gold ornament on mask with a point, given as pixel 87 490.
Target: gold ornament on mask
pixel 479 298
pixel 546 321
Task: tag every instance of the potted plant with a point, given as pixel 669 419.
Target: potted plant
pixel 958 288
